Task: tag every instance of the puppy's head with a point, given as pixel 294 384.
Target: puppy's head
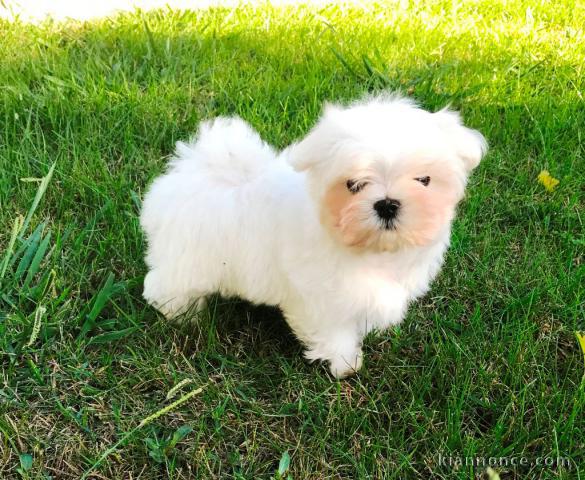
pixel 386 174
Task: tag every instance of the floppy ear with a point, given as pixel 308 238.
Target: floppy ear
pixel 312 149
pixel 471 145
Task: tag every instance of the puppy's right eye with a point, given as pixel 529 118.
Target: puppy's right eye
pixel 424 180
pixel 354 186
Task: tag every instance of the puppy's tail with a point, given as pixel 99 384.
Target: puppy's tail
pixel 226 149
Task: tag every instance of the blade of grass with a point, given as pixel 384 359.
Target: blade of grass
pixel 16 227
pixel 37 259
pixel 39 195
pixel 109 337
pixel 108 289
pixel 32 243
pixel 345 63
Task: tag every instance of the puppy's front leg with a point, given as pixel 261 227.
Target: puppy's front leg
pixel 341 349
pixel 328 333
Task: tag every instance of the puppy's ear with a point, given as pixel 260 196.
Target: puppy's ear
pixel 471 145
pixel 315 147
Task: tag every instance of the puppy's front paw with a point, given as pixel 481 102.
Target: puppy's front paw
pixel 342 366
pixel 342 350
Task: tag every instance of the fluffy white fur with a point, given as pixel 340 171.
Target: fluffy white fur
pixel 232 215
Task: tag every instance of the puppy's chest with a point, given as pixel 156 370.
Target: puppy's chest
pixel 375 289
pixel 384 290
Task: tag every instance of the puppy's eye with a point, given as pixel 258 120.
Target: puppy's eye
pixel 354 186
pixel 424 180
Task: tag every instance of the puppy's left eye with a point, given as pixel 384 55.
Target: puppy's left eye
pixel 424 180
pixel 354 186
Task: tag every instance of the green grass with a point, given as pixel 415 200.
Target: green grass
pixel 487 364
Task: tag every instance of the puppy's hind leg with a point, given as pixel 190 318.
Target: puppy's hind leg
pixel 160 292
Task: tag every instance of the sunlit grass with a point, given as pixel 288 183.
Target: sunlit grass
pixel 486 365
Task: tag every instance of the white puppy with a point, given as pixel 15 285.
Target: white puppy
pixel 340 230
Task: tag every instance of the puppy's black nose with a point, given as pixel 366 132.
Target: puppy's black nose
pixel 387 208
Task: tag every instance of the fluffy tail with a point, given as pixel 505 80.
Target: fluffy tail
pixel 227 149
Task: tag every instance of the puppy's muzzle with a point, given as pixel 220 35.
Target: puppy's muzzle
pixel 387 209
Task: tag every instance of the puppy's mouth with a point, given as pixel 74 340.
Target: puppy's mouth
pixel 388 224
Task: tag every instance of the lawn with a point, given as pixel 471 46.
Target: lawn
pixel 488 364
